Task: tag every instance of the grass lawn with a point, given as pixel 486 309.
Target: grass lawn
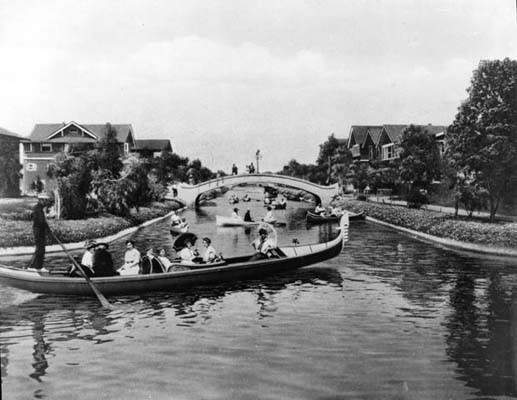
pixel 17 225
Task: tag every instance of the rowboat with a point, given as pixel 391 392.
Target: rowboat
pixel 229 221
pixel 318 218
pixel 231 269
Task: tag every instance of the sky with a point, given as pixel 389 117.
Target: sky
pixel 223 79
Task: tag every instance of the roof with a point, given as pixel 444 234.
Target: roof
pixel 41 132
pixel 359 133
pixel 153 144
pixel 5 132
pixel 395 131
pixel 375 133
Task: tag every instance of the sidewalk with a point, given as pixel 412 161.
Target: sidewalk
pixel 442 209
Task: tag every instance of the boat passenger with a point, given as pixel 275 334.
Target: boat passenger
pixel 335 211
pixel 86 260
pixel 188 254
pixel 175 219
pixel 247 216
pixel 164 260
pixel 131 260
pixel 235 213
pixel 263 246
pixel 102 261
pixel 269 217
pixel 246 198
pixel 210 255
pixel 319 209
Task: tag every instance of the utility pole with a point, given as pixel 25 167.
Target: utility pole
pixel 258 157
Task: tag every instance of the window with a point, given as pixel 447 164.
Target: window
pixel 28 147
pixel 31 167
pixel 126 148
pixel 388 151
pixel 46 147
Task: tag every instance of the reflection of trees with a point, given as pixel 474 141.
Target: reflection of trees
pixel 41 313
pixel 481 334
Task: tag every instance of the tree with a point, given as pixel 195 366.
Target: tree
pixel 420 158
pixel 334 160
pixel 482 140
pixel 107 154
pixel 10 171
pixel 73 175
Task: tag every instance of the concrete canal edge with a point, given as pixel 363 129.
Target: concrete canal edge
pixel 55 248
pixel 451 243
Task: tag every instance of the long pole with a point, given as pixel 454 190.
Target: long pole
pixel 104 302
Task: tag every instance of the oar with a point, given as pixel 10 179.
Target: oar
pixel 105 303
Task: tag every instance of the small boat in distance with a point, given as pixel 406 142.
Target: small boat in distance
pixel 318 218
pixel 231 221
pixel 231 269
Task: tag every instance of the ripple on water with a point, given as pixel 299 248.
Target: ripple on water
pixel 390 317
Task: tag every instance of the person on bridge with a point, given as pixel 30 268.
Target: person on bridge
pixel 252 168
pixel 235 171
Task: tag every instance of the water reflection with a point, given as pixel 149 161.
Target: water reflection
pixel 481 335
pixel 84 319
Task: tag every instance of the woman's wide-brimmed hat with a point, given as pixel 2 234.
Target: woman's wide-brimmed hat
pixel 89 244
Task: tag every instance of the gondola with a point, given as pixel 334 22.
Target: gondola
pixel 231 269
pixel 317 218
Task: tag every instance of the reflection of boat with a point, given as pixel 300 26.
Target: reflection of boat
pixel 233 269
pixel 229 221
pixel 313 217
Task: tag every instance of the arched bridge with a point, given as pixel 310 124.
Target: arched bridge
pixel 189 194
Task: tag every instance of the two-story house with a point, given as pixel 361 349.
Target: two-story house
pixel 46 141
pixel 382 143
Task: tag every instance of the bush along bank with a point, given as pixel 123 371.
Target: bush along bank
pixel 501 235
pixel 16 233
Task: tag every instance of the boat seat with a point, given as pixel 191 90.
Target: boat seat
pixel 151 266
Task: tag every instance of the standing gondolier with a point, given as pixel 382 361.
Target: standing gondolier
pixel 39 229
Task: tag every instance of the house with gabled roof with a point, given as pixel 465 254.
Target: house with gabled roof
pixel 357 142
pixel 391 136
pixel 152 147
pixel 46 141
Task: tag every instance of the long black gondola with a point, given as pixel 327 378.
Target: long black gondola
pixel 318 218
pixel 231 269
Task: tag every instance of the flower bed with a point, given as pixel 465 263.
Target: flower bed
pixel 439 224
pixel 19 232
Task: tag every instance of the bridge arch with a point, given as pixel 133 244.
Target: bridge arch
pixel 189 194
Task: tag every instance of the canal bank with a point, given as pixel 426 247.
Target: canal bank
pixel 497 239
pixel 79 244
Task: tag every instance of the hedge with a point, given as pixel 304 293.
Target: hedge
pixel 439 224
pixel 19 232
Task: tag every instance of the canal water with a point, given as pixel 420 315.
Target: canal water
pixel 389 318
